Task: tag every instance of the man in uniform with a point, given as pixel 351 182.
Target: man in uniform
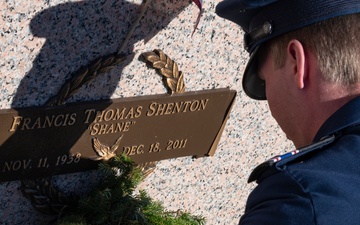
pixel 305 61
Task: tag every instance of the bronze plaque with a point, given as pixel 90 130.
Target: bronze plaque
pixel 37 142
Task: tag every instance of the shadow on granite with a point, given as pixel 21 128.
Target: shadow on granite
pixel 76 33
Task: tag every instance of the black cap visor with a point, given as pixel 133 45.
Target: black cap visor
pixel 253 85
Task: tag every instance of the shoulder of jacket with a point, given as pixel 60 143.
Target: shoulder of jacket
pixel 277 161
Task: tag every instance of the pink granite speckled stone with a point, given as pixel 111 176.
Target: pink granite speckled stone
pixel 43 42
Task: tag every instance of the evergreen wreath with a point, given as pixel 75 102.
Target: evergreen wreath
pixel 114 201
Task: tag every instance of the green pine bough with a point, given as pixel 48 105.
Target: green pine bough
pixel 114 201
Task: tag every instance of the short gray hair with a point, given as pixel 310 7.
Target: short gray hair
pixel 335 43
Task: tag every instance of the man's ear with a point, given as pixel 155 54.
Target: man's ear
pixel 297 57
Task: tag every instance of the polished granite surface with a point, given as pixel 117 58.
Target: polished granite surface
pixel 43 42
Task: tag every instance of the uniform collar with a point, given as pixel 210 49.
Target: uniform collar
pixel 342 122
pixel 347 116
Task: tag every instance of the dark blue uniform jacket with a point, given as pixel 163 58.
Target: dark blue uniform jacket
pixel 319 185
